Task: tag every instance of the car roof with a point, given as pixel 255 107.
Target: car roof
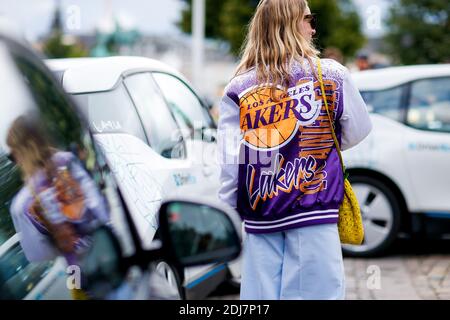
pixel 83 75
pixel 380 79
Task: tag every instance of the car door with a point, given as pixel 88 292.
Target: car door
pixel 199 129
pixel 143 175
pixel 197 124
pixel 144 146
pixel 32 99
pixel 428 140
pixel 173 156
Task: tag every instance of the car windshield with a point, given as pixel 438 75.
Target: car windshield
pixel 111 112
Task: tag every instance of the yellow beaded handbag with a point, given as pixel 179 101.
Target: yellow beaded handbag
pixel 350 225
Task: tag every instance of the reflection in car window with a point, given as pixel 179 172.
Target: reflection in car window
pixel 184 103
pixel 159 123
pixel 198 229
pixel 59 206
pixel 64 126
pixel 385 102
pixel 18 277
pixel 111 112
pixel 10 184
pixel 429 105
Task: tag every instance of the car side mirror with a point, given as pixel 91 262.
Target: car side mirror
pixel 197 234
pixel 102 266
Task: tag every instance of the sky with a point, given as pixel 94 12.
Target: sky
pixel 149 16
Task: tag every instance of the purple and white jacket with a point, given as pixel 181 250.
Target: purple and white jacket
pixel 279 166
pixel 34 237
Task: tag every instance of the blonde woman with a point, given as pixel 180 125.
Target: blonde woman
pixel 59 205
pixel 280 167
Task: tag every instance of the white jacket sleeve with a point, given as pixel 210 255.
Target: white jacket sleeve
pixel 355 120
pixel 229 137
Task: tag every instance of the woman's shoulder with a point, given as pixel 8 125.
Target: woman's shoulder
pixel 19 202
pixel 241 80
pixel 332 67
pixel 331 63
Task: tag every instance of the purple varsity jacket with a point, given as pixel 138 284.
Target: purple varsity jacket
pixel 280 167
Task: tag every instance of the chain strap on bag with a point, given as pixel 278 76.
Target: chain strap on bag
pixel 350 225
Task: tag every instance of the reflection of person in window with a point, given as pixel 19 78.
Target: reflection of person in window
pixel 205 243
pixel 59 205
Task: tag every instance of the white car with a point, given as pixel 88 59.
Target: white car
pixel 115 264
pixel 401 172
pixel 158 138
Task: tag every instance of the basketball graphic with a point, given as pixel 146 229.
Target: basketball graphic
pixel 268 124
pixel 269 135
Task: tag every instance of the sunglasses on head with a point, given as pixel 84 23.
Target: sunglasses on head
pixel 312 19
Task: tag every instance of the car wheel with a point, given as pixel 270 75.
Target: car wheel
pixel 171 275
pixel 380 211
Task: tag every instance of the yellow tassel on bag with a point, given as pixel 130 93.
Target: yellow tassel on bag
pixel 350 225
pixel 78 294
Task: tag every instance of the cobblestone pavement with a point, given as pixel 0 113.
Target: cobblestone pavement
pixel 410 271
pixel 398 278
pixel 413 270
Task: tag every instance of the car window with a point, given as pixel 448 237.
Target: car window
pixel 183 102
pixel 429 105
pixel 53 191
pixel 162 130
pixel 11 183
pixel 385 102
pixel 17 275
pixel 111 112
pixel 194 228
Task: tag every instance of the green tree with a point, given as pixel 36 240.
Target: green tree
pixel 339 26
pixel 234 20
pixel 213 8
pixel 54 47
pixel 419 31
pixel 225 20
pixel 339 23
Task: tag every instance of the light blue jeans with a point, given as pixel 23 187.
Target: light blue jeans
pixel 299 264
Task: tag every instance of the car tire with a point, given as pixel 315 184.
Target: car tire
pixel 172 276
pixel 381 214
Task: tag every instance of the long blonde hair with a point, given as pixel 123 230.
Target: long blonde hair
pixel 31 146
pixel 274 41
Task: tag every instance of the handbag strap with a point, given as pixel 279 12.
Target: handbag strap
pixel 324 96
